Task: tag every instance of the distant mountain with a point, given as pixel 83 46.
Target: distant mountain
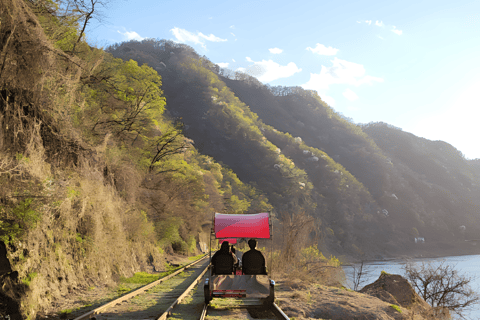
pixel 372 189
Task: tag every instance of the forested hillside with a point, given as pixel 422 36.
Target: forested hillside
pixel 372 188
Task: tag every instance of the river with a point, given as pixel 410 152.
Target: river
pixel 467 265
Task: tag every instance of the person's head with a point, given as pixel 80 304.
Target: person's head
pixel 252 243
pixel 225 247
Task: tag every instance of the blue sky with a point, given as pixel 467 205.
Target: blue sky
pixel 412 64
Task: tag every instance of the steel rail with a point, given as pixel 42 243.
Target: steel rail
pixel 279 312
pixel 183 295
pixel 204 312
pixel 136 292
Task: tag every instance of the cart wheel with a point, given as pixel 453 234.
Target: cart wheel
pixel 206 293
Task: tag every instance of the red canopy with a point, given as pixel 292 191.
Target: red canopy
pixel 230 240
pixel 242 225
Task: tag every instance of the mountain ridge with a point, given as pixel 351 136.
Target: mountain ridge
pixel 229 118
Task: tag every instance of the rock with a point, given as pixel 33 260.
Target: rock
pixel 395 289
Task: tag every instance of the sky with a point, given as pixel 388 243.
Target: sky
pixel 413 64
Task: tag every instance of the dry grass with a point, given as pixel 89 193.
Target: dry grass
pixel 299 262
pixel 87 232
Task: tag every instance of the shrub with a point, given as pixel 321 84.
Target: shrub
pixel 17 220
pixel 29 278
pixel 396 308
pixel 192 244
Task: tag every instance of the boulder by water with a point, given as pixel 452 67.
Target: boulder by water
pixel 395 289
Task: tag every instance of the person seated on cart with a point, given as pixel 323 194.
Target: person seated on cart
pixel 223 260
pixel 232 249
pixel 253 261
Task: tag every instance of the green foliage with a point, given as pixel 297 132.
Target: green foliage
pixel 28 280
pixel 236 205
pixel 20 157
pixel 79 238
pixel 191 244
pixel 141 277
pixel 124 99
pixel 169 234
pixel 66 311
pixel 72 193
pixel 311 254
pixel 384 273
pixel 193 258
pixel 122 289
pixel 18 220
pixel 333 261
pixel 395 307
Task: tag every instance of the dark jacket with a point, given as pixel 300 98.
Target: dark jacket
pixel 253 262
pixel 223 262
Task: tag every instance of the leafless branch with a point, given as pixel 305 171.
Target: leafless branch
pixel 442 286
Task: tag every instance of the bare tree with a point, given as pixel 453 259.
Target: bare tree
pixel 442 286
pixel 360 274
pixel 296 227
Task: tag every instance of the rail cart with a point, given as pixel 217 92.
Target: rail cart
pixel 231 227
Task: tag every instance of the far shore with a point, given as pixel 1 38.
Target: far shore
pixel 428 251
pixel 436 250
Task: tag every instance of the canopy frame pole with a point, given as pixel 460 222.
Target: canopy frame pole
pixel 212 230
pixel 271 243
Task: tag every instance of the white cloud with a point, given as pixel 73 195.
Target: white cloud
pixel 381 24
pixel 395 30
pixel 131 35
pixel 211 37
pixel 183 35
pixel 232 27
pixel 234 60
pixel 369 22
pixel 275 50
pixel 268 70
pixel 322 50
pixel 350 95
pixel 341 72
pixel 232 34
pixel 380 37
pixel 223 64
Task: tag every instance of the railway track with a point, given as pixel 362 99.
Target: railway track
pixel 162 299
pixel 155 291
